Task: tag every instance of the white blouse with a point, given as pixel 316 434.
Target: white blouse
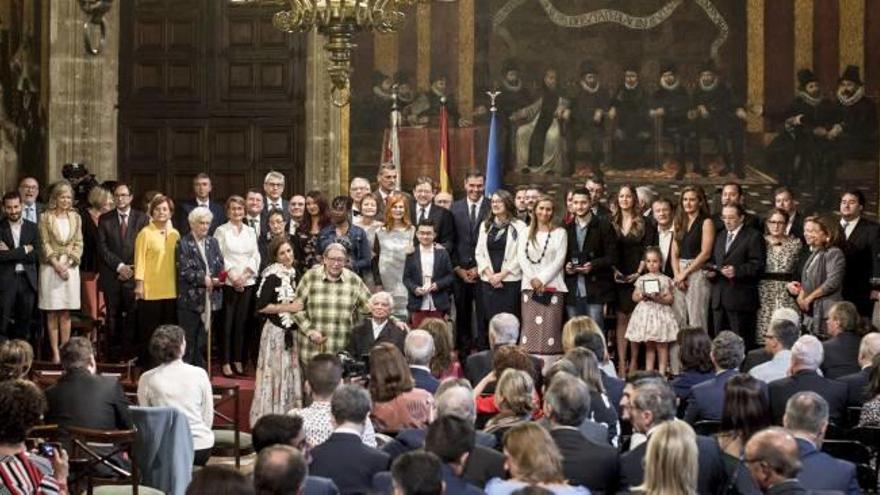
pixel 547 266
pixel 184 387
pixel 240 250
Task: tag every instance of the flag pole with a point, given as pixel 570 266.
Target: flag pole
pixel 445 182
pixel 493 155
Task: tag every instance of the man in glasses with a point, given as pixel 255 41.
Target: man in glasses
pixel 772 459
pixel 778 340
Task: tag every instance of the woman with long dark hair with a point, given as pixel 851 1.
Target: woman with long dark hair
pixel 316 217
pixel 746 412
pixel 694 347
pixel 691 248
pixel 496 256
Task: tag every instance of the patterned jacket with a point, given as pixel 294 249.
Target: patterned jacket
pixel 191 271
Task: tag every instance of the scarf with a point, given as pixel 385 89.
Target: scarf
pixel 851 100
pixel 588 88
pixel 670 87
pixel 809 99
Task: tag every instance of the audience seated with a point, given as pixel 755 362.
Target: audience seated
pixel 444 363
pixel 842 349
pixel 174 383
pixel 343 457
pixel 870 414
pixel 589 429
pixel 532 459
pixel 503 331
pixel 280 470
pixel 695 348
pixel 106 407
pixel 451 439
pixel 578 332
pixel 760 355
pixel 16 358
pixel 515 398
pixel 504 358
pixel 650 404
pixel 419 348
pixel 219 480
pixel 584 462
pixel 806 417
pixel 418 473
pixel 706 401
pixel 671 460
pixel 806 357
pixel 746 412
pixel 857 389
pixel 379 327
pixel 601 411
pixel 595 342
pixel 397 404
pixel 280 429
pixel 780 336
pixel 323 375
pixel 773 461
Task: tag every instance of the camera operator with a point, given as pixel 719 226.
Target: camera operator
pixel 81 181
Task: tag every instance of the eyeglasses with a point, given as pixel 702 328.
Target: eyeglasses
pixel 335 260
pixel 775 222
pixel 275 184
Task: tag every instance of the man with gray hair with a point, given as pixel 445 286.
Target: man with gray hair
pixel 503 330
pixel 706 400
pixel 378 328
pixel 343 457
pixel 857 383
pixel 273 188
pixel 566 405
pixel 419 349
pixel 806 357
pixel 778 340
pixel 651 403
pixel 806 417
pixel 331 296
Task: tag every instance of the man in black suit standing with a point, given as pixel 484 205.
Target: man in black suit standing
pixel 424 208
pixel 783 199
pixel 105 408
pixel 419 349
pixel 386 185
pixel 117 230
pixel 467 214
pixel 378 328
pixel 584 462
pixel 738 258
pixel 662 211
pixel 273 187
pixel 343 457
pixel 202 190
pixel 19 239
pixel 860 248
pixel 651 403
pixel 857 383
pixel 732 194
pixel 255 216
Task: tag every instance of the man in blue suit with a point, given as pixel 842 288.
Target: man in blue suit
pixel 452 440
pixel 706 400
pixel 202 190
pixel 419 349
pixel 806 417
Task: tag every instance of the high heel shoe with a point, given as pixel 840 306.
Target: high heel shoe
pixel 226 371
pixel 238 369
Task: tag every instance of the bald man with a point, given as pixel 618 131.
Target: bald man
pixel 772 458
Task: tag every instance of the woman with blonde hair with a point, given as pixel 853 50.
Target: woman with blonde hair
pixel 100 202
pixel 515 399
pixel 16 358
pixel 533 459
pixel 671 461
pixel 62 248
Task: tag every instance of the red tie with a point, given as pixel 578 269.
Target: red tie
pixel 124 226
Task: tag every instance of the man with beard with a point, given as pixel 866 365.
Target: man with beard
pixel 803 148
pixel 857 133
pixel 19 239
pixel 669 109
pixel 513 96
pixel 540 140
pixel 426 109
pixel 630 110
pixel 589 108
pixel 717 115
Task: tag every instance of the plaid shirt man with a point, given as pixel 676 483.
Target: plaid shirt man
pixel 330 307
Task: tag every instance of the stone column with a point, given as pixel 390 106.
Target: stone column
pixel 82 93
pixel 326 165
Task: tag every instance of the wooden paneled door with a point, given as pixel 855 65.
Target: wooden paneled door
pixel 207 85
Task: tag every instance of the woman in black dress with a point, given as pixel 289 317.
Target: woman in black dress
pixel 691 249
pixel 497 262
pixel 316 217
pixel 634 234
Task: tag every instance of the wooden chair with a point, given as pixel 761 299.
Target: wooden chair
pixel 857 453
pixel 229 440
pixel 124 371
pixel 46 373
pixel 95 462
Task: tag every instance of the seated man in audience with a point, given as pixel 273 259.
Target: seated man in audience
pixel 452 440
pixel 780 336
pixel 706 400
pixel 772 460
pixel 379 327
pixel 842 348
pixel 650 403
pixel 857 383
pixel 503 330
pixel 343 457
pixel 418 473
pixel 760 355
pixel 584 462
pixel 279 429
pixel 323 375
pixel 593 431
pixel 82 398
pixel 806 357
pixel 806 417
pixel 419 349
pixel 280 470
pixel 613 385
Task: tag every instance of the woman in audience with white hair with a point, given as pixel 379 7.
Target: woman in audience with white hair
pixel 671 461
pixel 397 404
pixel 515 399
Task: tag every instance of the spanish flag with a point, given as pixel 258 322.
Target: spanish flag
pixel 444 150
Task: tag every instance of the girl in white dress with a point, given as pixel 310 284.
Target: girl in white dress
pixel 653 320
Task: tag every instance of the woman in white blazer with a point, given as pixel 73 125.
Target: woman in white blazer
pixel 498 259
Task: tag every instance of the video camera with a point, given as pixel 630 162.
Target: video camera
pixel 354 367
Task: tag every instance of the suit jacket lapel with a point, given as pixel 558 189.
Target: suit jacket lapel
pixel 418 259
pixel 6 235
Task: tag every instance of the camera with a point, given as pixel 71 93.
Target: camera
pixel 80 180
pixel 47 449
pixel 354 367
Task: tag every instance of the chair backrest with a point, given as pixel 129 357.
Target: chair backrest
pixel 96 456
pixel 164 445
pixel 46 373
pixel 707 427
pixel 124 371
pixel 228 394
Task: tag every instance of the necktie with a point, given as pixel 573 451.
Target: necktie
pixel 422 215
pixel 845 224
pixel 252 222
pixel 123 226
pixel 729 242
pixel 473 213
pixel 31 214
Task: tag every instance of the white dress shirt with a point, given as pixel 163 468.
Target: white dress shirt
pixel 184 387
pixel 240 250
pixel 378 327
pixel 849 225
pixel 664 241
pixel 15 227
pixel 427 211
pixel 774 369
pixel 427 257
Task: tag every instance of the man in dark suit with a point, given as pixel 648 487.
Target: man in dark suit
pixel 19 239
pixel 343 457
pixel 651 403
pixel 29 189
pixel 860 248
pixel 419 349
pixel 117 230
pixel 738 258
pixel 256 217
pixel 586 463
pixel 842 349
pixel 281 470
pixel 598 199
pixel 83 399
pixel 771 457
pixel 589 260
pixel 503 330
pixel 783 199
pixel 273 187
pixel 857 383
pixel 386 185
pixel 378 328
pixel 452 440
pixel 806 417
pixel 202 190
pixel 732 194
pixel 706 400
pixel 424 208
pixel 662 212
pixel 428 277
pixel 467 214
pixel 806 357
